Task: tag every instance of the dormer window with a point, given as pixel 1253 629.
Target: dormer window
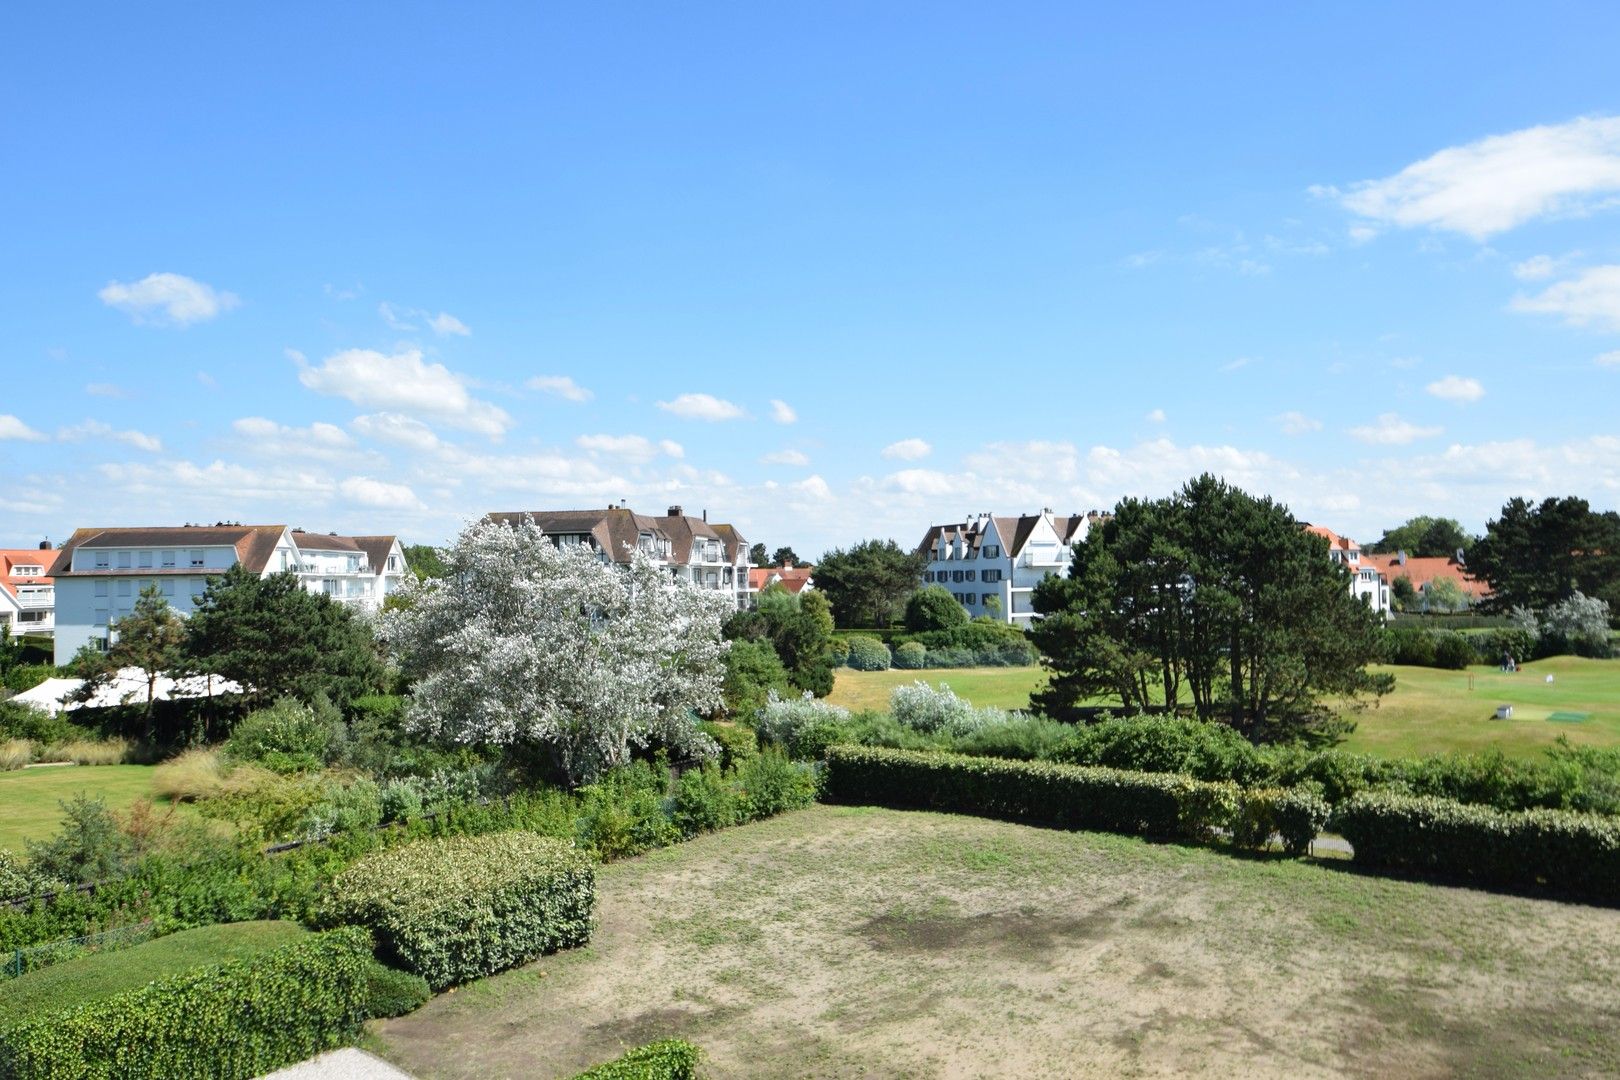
pixel 27 570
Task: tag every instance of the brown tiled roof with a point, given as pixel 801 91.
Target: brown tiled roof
pixel 682 531
pixel 613 530
pixel 308 541
pixel 1421 571
pixel 377 549
pixel 254 544
pixel 736 546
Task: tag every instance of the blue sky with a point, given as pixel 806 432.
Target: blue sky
pixel 829 274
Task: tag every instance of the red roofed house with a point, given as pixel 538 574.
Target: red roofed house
pixel 1423 572
pixel 1366 580
pixel 27 591
pixel 795 579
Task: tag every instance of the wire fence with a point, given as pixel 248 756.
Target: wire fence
pixel 19 961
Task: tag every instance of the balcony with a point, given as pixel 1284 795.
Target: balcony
pixel 27 600
pixel 1042 557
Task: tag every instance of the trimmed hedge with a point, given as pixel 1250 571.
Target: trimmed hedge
pixel 1578 853
pixel 667 1059
pixel 1092 798
pixel 278 999
pixel 867 654
pixel 391 992
pixel 460 907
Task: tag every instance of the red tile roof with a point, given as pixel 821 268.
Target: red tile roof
pixel 1420 572
pixel 13 557
pixel 791 578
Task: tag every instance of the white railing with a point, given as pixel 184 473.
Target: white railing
pixel 36 600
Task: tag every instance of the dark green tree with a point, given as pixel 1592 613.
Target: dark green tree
pixel 278 639
pixel 798 629
pixel 868 584
pixel 932 607
pixel 753 670
pixel 151 637
pixel 1534 556
pixel 1402 593
pixel 757 556
pixel 1425 537
pixel 424 561
pixel 1214 602
pixel 785 556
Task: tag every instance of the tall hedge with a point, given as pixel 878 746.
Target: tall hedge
pixel 240 1018
pixel 667 1059
pixel 459 907
pixel 1578 853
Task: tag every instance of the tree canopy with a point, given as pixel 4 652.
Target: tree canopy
pixel 1425 537
pixel 1533 556
pixel 868 584
pixel 785 556
pixel 798 628
pixel 423 560
pixel 278 639
pixel 552 650
pixel 932 607
pixel 757 556
pixel 1211 600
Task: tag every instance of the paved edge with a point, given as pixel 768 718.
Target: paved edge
pixel 349 1063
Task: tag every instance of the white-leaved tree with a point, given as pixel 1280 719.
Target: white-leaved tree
pixel 526 644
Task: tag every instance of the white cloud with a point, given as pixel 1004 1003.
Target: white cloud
pixel 908 450
pixel 1297 423
pixel 1457 388
pixel 1360 234
pixel 1236 365
pixel 782 412
pixel 319 440
pixel 377 494
pixel 208 380
pixel 1608 359
pixel 921 482
pixel 1391 430
pixel 1498 183
pixel 13 428
pixel 560 386
pixel 444 324
pixel 95 429
pixel 1156 416
pixel 785 457
pixel 814 486
pixel 106 390
pixel 636 448
pixel 405 319
pixel 1591 297
pixel 1535 268
pixel 398 429
pixel 701 407
pixel 405 383
pixel 167 299
pixel 220 481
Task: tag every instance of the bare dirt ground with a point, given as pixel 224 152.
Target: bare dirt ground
pixel 841 942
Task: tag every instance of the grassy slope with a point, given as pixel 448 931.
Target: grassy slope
pixel 104 974
pixel 1431 711
pixel 853 942
pixel 29 798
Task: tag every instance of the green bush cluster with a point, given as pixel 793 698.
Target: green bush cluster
pixel 1566 778
pixel 1577 853
pixel 1111 800
pixel 232 1001
pixel 867 653
pixel 288 736
pixel 391 992
pixel 667 1059
pixel 737 743
pixel 457 908
pixel 767 784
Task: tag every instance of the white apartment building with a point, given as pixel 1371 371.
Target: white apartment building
pixel 100 572
pixel 992 564
pixel 1366 579
pixel 694 551
pixel 27 591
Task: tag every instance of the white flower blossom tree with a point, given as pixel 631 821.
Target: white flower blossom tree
pixel 525 643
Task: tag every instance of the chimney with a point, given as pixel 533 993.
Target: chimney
pixel 44 545
pixel 705 514
pixel 675 511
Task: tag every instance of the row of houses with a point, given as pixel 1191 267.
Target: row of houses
pixel 1373 576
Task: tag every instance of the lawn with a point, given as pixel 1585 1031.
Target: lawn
pixel 1431 711
pixel 853 942
pixel 29 798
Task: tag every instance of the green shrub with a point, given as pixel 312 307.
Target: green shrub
pixel 1453 651
pixel 803 727
pixel 19 721
pixel 838 651
pixel 1411 645
pixel 1295 815
pixel 911 655
pixel 457 908
pixel 391 992
pixel 345 807
pixel 236 1000
pixel 667 1059
pixel 1506 641
pixel 289 736
pixel 15 878
pixel 1577 853
pixel 706 800
pixel 1202 749
pixel 737 743
pixel 1089 798
pixel 89 846
pixel 771 785
pixel 867 653
pixel 26 676
pixel 623 813
pixel 1024 737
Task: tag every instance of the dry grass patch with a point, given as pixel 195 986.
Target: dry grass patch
pixel 856 942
